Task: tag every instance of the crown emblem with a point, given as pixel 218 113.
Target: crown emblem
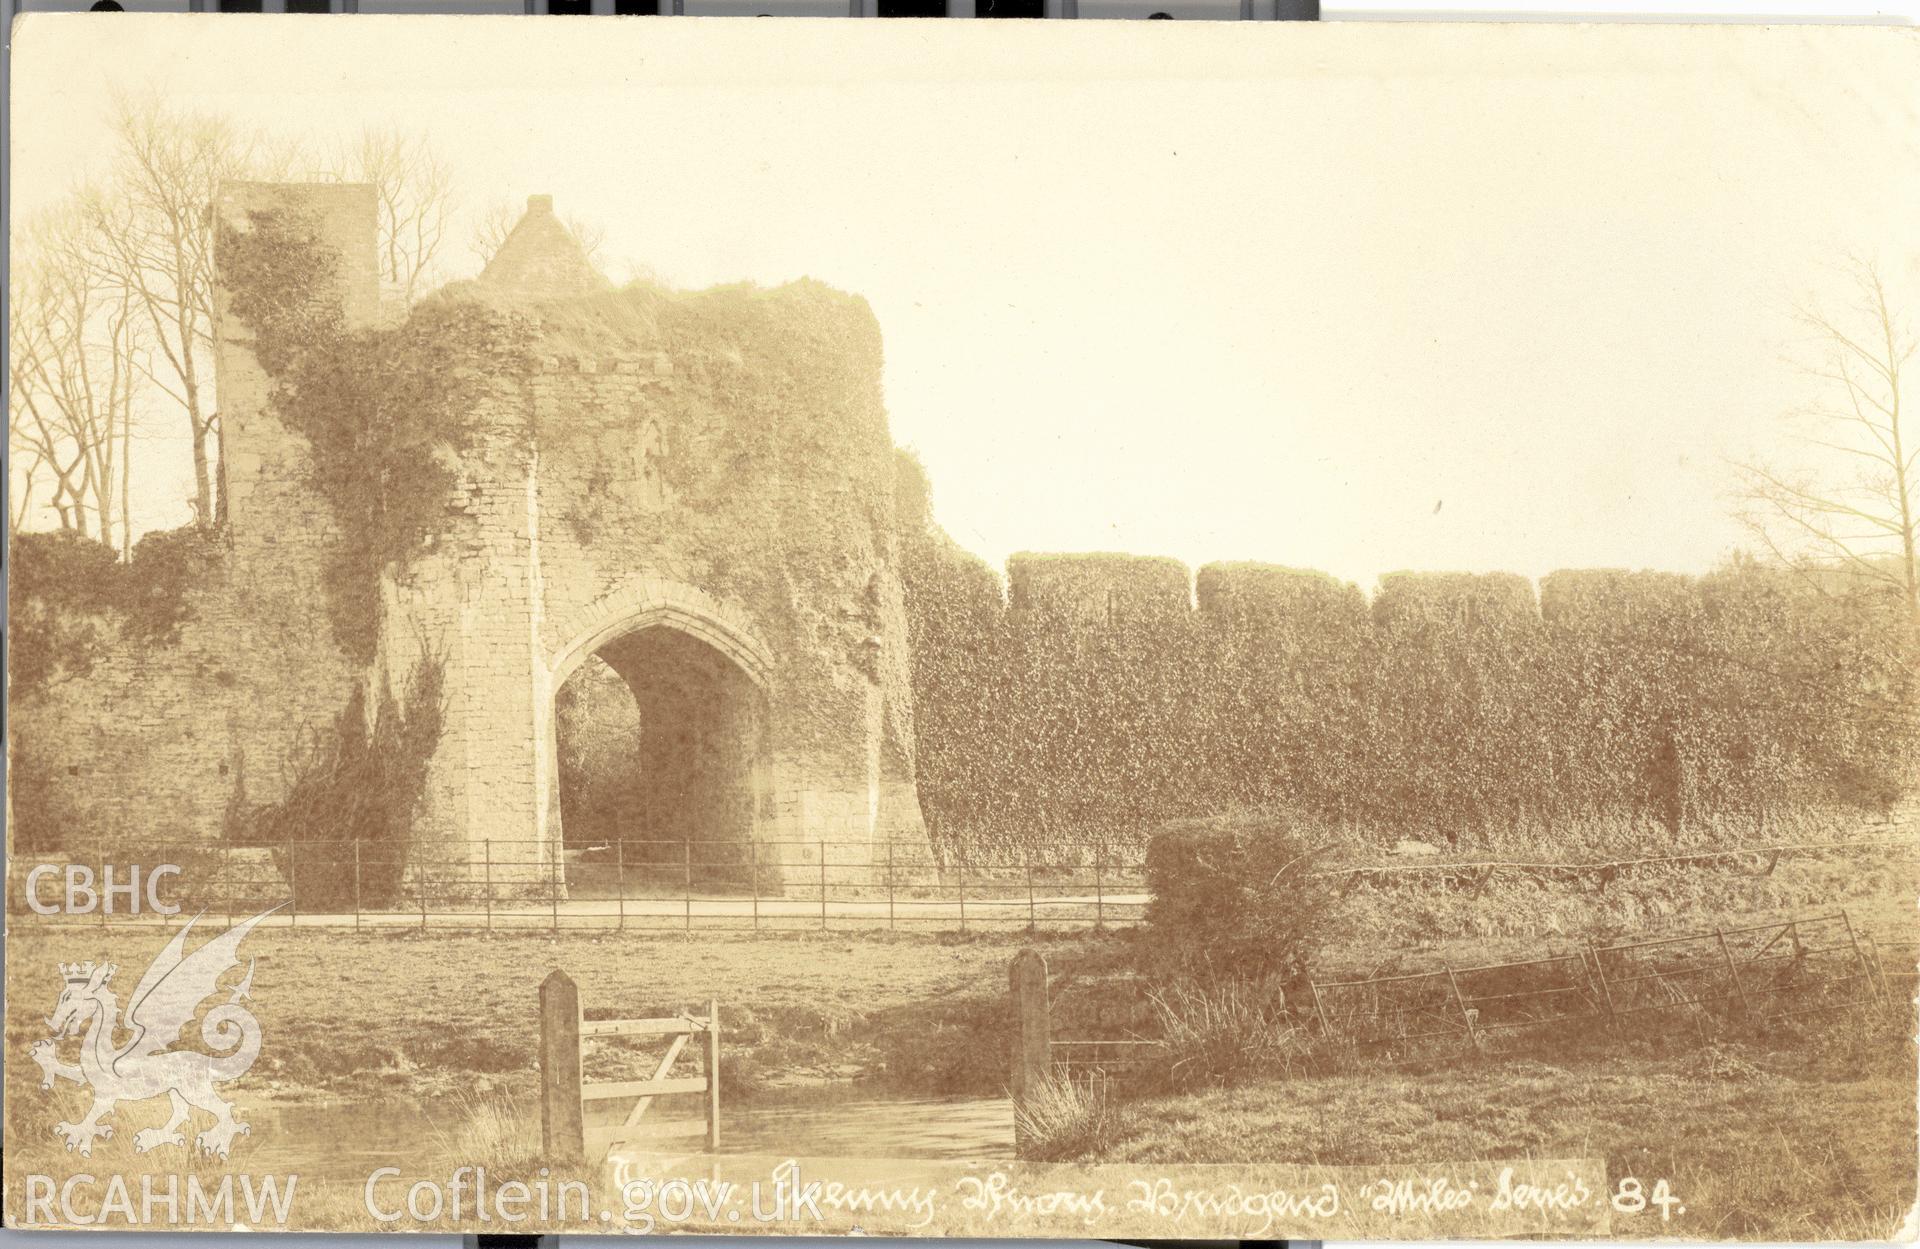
pixel 77 973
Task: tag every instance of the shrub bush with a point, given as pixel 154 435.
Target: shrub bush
pixel 1225 1034
pixel 1232 901
pixel 1061 1119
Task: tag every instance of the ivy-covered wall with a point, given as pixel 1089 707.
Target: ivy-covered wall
pixel 1105 694
pixel 508 480
pixel 124 691
pixel 561 467
pixel 734 441
pixel 544 476
pixel 164 737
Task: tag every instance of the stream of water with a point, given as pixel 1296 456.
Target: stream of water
pixel 347 1140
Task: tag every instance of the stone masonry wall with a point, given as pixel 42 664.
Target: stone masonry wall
pixel 145 748
pixel 273 625
pixel 156 741
pixel 714 465
pixel 722 470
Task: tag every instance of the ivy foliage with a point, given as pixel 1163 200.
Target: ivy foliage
pixel 71 599
pixel 386 410
pixel 1095 704
pixel 342 832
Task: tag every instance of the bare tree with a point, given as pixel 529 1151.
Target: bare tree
pixel 1854 505
pixel 415 191
pixel 154 224
pixel 38 454
pixel 154 220
pixel 27 461
pixel 591 235
pixel 76 359
pixel 148 242
pixel 491 228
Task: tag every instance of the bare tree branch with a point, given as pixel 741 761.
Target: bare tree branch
pixel 154 222
pixel 414 187
pixel 75 341
pixel 1861 511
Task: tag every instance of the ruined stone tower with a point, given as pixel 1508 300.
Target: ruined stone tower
pixel 693 488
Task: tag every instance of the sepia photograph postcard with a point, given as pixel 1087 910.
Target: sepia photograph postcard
pixel 1087 630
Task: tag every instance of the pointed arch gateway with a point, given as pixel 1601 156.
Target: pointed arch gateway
pixel 605 454
pixel 686 792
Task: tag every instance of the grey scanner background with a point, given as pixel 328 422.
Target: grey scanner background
pixel 1897 12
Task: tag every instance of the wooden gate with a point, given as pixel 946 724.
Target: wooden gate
pixel 565 1093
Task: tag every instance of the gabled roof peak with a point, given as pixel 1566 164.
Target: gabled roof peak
pixel 541 258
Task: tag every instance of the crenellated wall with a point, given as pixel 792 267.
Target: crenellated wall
pixel 1100 697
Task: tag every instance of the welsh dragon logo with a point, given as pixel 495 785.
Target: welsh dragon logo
pixel 159 1010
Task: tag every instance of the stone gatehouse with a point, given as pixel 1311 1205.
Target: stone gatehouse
pixel 695 489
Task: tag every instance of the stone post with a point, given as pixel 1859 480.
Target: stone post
pixel 1032 1036
pixel 563 1136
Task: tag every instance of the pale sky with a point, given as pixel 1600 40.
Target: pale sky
pixel 1357 298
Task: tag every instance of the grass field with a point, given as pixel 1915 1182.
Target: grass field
pixel 1806 1134
pixel 1811 1141
pixel 429 1015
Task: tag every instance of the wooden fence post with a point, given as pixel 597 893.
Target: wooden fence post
pixel 1606 991
pixel 487 867
pixel 1733 973
pixel 713 1076
pixel 1033 1032
pixel 563 1136
pixel 1320 1009
pixel 1866 972
pixel 356 884
pixel 1473 1033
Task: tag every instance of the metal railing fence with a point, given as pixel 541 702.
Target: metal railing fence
pixel 659 884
